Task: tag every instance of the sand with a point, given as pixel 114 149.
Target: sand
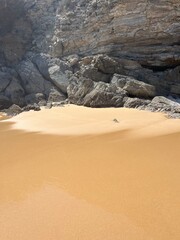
pixel 73 173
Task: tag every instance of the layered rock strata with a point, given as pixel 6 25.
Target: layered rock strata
pixel 97 53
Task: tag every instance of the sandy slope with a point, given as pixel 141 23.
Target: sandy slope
pixel 67 185
pixel 78 120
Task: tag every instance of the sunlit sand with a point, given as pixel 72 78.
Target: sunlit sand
pixel 78 120
pixel 75 173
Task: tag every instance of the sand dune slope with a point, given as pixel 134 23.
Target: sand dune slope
pixel 75 174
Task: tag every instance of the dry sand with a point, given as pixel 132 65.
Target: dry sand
pixel 72 173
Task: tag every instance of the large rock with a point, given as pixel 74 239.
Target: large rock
pixel 105 95
pixel 15 92
pixel 38 98
pixel 163 104
pixel 13 110
pixel 93 73
pixel 59 78
pixel 84 91
pixel 56 96
pixel 136 103
pixel 78 89
pixel 32 80
pixel 134 87
pixel 55 70
pixel 102 68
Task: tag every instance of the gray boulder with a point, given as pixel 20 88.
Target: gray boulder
pixel 55 70
pixel 84 91
pixel 32 80
pixel 56 96
pixel 105 95
pixel 34 107
pixel 38 98
pixel 134 87
pixel 78 88
pixel 94 74
pixel 136 103
pixel 59 78
pixel 13 110
pixel 163 104
pixel 106 64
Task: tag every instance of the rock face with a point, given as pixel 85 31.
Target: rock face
pixel 97 53
pixel 134 87
pixel 146 31
pixel 85 92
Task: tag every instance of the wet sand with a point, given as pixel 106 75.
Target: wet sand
pixel 74 174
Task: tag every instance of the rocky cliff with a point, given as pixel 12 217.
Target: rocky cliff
pixel 93 52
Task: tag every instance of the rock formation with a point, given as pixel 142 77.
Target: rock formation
pixel 98 53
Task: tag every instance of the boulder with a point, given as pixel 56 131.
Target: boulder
pixel 84 91
pixel 13 110
pixel 78 88
pixel 94 74
pixel 59 78
pixel 105 95
pixel 55 70
pixel 56 96
pixel 134 87
pixel 106 64
pixel 32 80
pixel 30 107
pixel 163 104
pixel 35 98
pixel 136 103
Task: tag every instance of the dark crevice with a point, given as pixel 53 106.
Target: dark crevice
pixel 160 68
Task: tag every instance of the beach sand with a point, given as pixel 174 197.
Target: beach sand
pixel 76 173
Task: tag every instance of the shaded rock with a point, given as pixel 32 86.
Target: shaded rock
pixel 15 92
pixel 15 31
pixel 35 98
pixel 84 91
pixel 4 102
pixel 94 74
pixel 5 79
pixel 106 64
pixel 55 70
pixel 105 95
pixel 30 107
pixel 172 78
pixel 134 87
pixel 32 80
pixel 59 78
pixel 56 96
pixel 86 60
pixel 48 105
pixel 78 89
pixel 13 110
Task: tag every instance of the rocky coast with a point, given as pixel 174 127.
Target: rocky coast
pixel 98 157
pixel 96 53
